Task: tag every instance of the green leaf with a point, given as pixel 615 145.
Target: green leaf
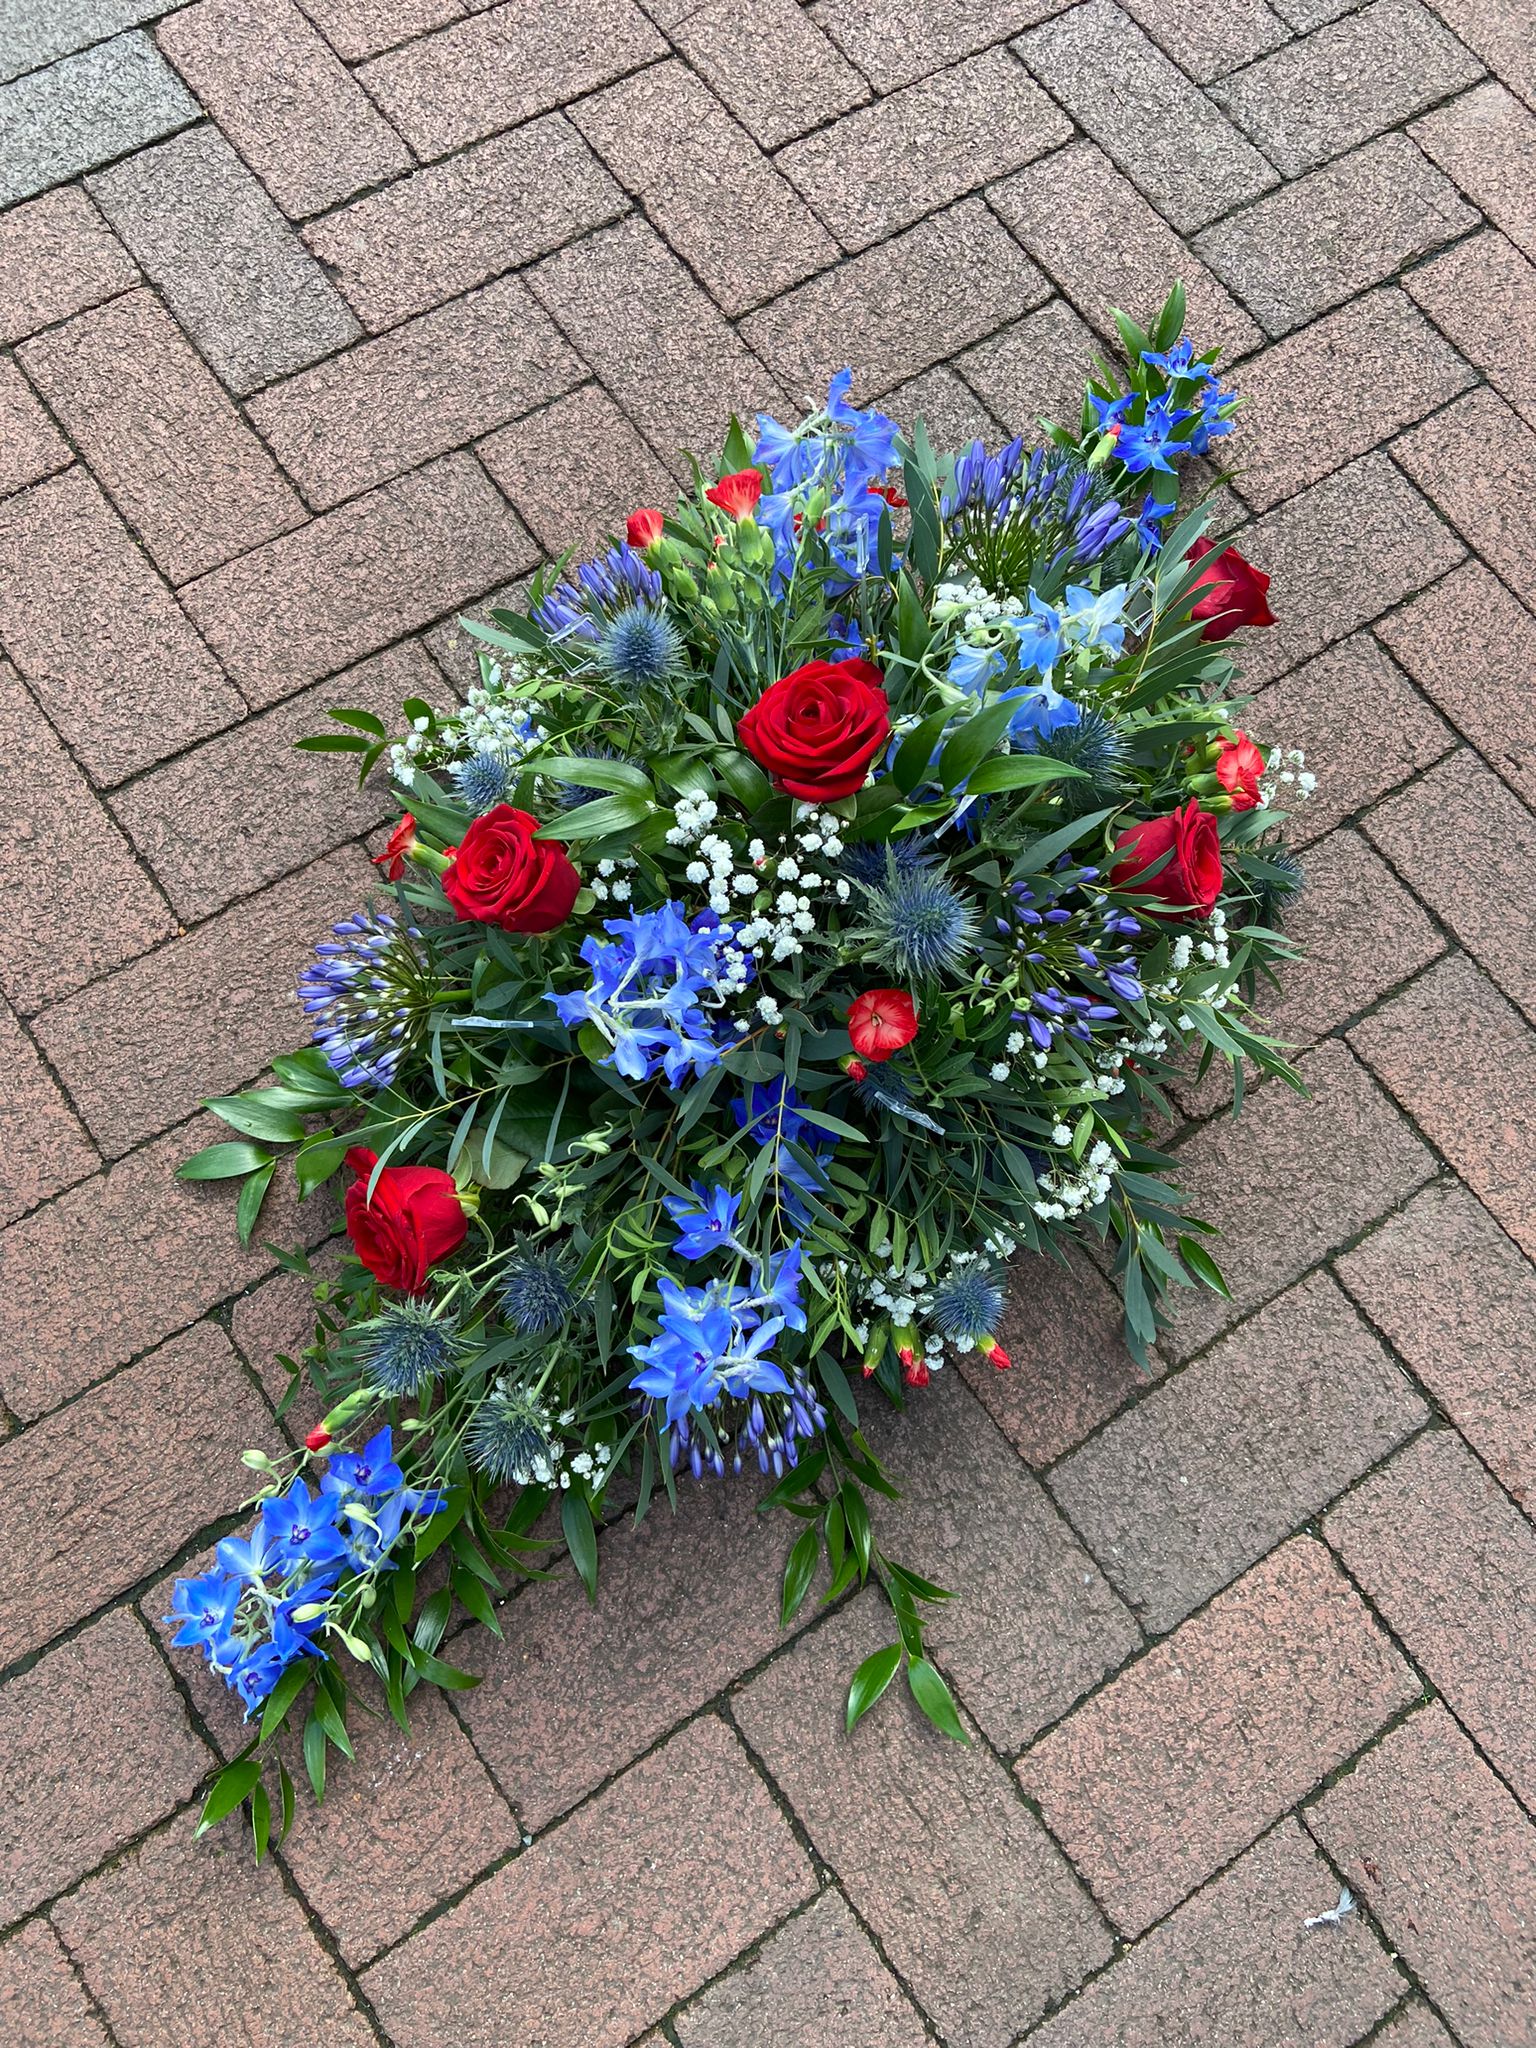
pixel 363 720
pixel 332 743
pixel 1020 771
pixel 474 1599
pixel 595 774
pixel 870 1681
pixel 253 1118
pixel 328 1714
pixel 314 1754
pixel 969 745
pixel 744 779
pixel 223 1162
pixel 317 1159
pixel 261 1819
pixel 603 819
pixel 285 1794
pixel 448 1676
pixel 1203 1266
pixel 581 1538
pixel 916 750
pixel 282 1697
pixel 233 1784
pixel 1043 853
pixel 252 1195
pixel 935 1698
pixel 799 1570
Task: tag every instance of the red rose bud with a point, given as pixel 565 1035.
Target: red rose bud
pixel 817 730
pixel 1239 765
pixel 642 529
pixel 398 849
pixel 317 1440
pixel 882 1021
pixel 502 873
pixel 737 494
pixel 1185 850
pixel 1230 592
pixel 990 1348
pixel 414 1220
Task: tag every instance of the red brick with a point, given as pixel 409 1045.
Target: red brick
pixel 121 1261
pixel 101 1735
pixel 115 1503
pixel 654 338
pixel 884 166
pixel 361 28
pixel 1482 294
pixel 313 601
pixel 1479 1107
pixel 1033 370
pixel 893 43
pixel 200 1016
pixel 1504 37
pixel 476 76
pixel 607 1921
pixel 951 411
pixel 1486 141
pixel 41 2002
pixel 305 127
pixel 576 470
pixel 1363 728
pixel 817 1983
pixel 1099 239
pixel 1446 1861
pixel 775 69
pixel 277 1320
pixel 1414 2027
pixel 1187 1756
pixel 988 1926
pixel 456 654
pixel 902 307
pixel 1475 460
pixel 161 435
pixel 1206 43
pixel 429 237
pixel 1445 1285
pixel 188 1941
pixel 1199 1479
pixel 98 635
pixel 78 903
pixel 31 447
pixel 41 1142
pixel 1234 1965
pixel 1333 391
pixel 1064 1331
pixel 57 256
pixel 1450 1565
pixel 1327 236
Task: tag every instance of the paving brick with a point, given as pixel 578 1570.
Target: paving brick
pixel 608 1920
pixel 1198 1480
pixel 97 634
pixel 884 166
pixel 1295 1180
pixel 706 185
pixel 1204 42
pixel 1318 97
pixel 455 653
pixel 1335 390
pixel 817 1983
pixel 1477 1108
pixel 275 87
pixel 1235 1965
pixel 314 600
pixel 57 256
pixel 1482 294
pixel 251 299
pixel 652 335
pixel 38 31
pixel 950 410
pixel 41 2002
pixel 429 237
pixel 161 435
pixel 1486 141
pixel 118 1503
pixel 1446 1286
pixel 362 28
pixel 188 1941
pixel 900 308
pixel 1099 239
pixel 277 1320
pixel 892 43
pixel 85 110
pixel 200 1016
pixel 1187 1756
pixel 775 69
pixel 576 470
pixel 1446 1861
pixel 42 1145
pixel 1504 37
pixel 1338 556
pixel 476 76
pixel 1304 15
pixel 1360 723
pixel 31 447
pixel 432 384
pixel 1414 2027
pixel 102 1737
pixel 1335 232
pixel 1469 848
pixel 1177 147
pixel 1493 505
pixel 1033 370
pixel 993 1927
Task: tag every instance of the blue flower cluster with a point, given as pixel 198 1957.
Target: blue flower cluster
pixel 658 984
pixel 1149 432
pixel 1038 641
pixel 1066 512
pixel 261 1606
pixel 774 1114
pixel 582 606
pixel 359 993
pixel 842 451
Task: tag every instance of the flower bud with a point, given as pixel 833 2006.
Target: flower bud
pixel 257 1460
pixel 317 1440
pixel 990 1348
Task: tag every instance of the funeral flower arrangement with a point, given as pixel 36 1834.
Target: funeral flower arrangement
pixel 797 924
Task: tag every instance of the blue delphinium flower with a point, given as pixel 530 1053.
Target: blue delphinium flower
pixel 707 1223
pixel 484 777
pixel 1095 621
pixel 640 647
pixel 363 993
pixel 919 925
pixel 538 1294
pixel 1147 443
pixel 771 1110
pixel 1038 710
pixel 1149 524
pixel 1178 361
pixel 301 1529
pixel 659 983
pixel 843 451
pixel 407 1347
pixel 967 1303
pixel 778 1287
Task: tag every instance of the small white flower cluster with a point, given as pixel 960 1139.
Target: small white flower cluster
pixel 979 609
pixel 611 882
pixel 1299 782
pixel 780 928
pixel 695 815
pixel 1013 1045
pixel 900 1294
pixel 591 1465
pixel 1067 1194
pixel 495 716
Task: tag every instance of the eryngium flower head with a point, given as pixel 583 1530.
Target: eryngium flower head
pixel 640 647
pixel 407 1346
pixel 919 925
pixel 967 1303
pixel 509 1439
pixel 484 778
pixel 874 860
pixel 364 993
pixel 537 1291
pixel 1274 893
pixel 1097 746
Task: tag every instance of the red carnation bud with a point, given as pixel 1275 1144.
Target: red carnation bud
pixel 398 850
pixel 990 1348
pixel 914 1370
pixel 737 494
pixel 317 1440
pixel 854 1067
pixel 642 529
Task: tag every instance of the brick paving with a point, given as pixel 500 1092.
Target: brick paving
pixel 323 320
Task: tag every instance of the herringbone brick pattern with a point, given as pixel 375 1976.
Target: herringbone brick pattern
pixel 323 322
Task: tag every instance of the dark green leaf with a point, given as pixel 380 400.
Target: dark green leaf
pixel 252 1195
pixel 223 1162
pixel 581 1538
pixel 233 1784
pixel 870 1680
pixel 254 1118
pixel 799 1570
pixel 935 1698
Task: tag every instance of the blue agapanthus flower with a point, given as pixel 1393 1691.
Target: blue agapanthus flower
pixel 361 995
pixel 583 605
pixel 659 984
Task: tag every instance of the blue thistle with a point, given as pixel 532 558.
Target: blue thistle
pixel 639 648
pixel 967 1304
pixel 919 925
pixel 407 1346
pixel 537 1295
pixel 509 1439
pixel 874 860
pixel 364 993
pixel 484 779
pixel 1097 746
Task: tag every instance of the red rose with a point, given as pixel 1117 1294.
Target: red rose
pixel 414 1220
pixel 1189 880
pixel 501 874
pixel 1238 768
pixel 1231 593
pixel 882 1021
pixel 817 731
pixel 642 529
pixel 737 494
pixel 398 850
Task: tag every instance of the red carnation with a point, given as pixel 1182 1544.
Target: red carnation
pixel 502 873
pixel 398 850
pixel 737 494
pixel 817 730
pixel 642 529
pixel 414 1220
pixel 1239 766
pixel 1185 848
pixel 1231 592
pixel 881 1021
